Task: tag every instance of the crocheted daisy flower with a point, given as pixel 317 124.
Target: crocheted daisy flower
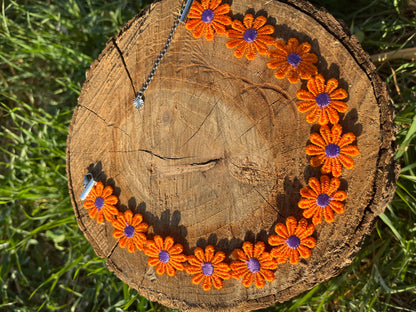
pixel 208 17
pixel 165 255
pixel 254 264
pixel 130 229
pixel 323 101
pixel 322 199
pixel 292 240
pixel 332 150
pixel 293 60
pixel 208 267
pixel 250 37
pixel 100 203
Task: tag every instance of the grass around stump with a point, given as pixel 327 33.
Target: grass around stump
pixel 46 264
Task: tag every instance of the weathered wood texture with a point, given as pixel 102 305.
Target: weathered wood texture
pixel 217 154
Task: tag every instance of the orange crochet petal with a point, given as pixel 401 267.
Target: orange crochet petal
pixel 247 280
pixel 209 253
pixel 199 29
pixel 266 30
pixel 306 203
pixel 158 242
pixel 339 94
pixel 346 139
pixel 293 75
pixel 217 282
pixel 260 47
pixel 209 32
pixel 292 45
pixel 328 115
pixel 88 204
pixel 197 278
pixel 223 9
pixel 318 160
pixel 108 190
pixel 92 212
pixel 316 216
pixel 306 96
pixel 259 281
pixel 118 233
pixel 294 256
pixel 192 269
pixel 168 243
pixel 214 4
pixel 291 224
pixel 328 214
pixel 320 83
pixel 331 85
pixel 336 133
pixel 219 257
pixel 340 196
pixel 337 207
pixel 282 71
pixel 192 23
pixel 275 240
pixel 309 242
pixel 281 230
pixel 304 252
pixel 100 217
pixel 153 261
pixel 199 254
pixel 339 106
pixel 318 140
pixel 313 115
pixel 248 21
pixel 205 3
pixel 251 51
pixel 170 270
pixel 219 28
pixel 240 50
pixel 310 193
pixel 258 249
pixel 207 283
pixel 99 187
pixel 303 48
pixel 268 275
pixel 248 249
pixel 258 22
pixel 346 161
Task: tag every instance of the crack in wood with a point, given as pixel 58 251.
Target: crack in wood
pixel 103 119
pixel 113 40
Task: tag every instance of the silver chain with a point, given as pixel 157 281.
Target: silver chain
pixel 139 99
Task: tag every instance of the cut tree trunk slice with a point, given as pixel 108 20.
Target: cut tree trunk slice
pixel 217 154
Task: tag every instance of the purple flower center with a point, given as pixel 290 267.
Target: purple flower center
pixel 250 35
pixel 129 231
pixel 332 150
pixel 294 59
pixel 99 203
pixel 323 200
pixel 164 256
pixel 293 241
pixel 323 100
pixel 207 16
pixel 253 265
pixel 207 268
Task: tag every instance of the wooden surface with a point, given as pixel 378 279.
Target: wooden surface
pixel 217 153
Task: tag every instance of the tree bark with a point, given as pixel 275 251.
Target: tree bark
pixel 217 154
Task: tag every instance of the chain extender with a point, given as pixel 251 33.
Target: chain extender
pixel 183 13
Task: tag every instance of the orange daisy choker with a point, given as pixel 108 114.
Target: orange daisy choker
pixel 330 149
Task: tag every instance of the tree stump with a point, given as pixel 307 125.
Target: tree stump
pixel 217 154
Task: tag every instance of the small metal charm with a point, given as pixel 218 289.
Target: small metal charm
pixel 88 184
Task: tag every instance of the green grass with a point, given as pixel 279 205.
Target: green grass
pixel 47 264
